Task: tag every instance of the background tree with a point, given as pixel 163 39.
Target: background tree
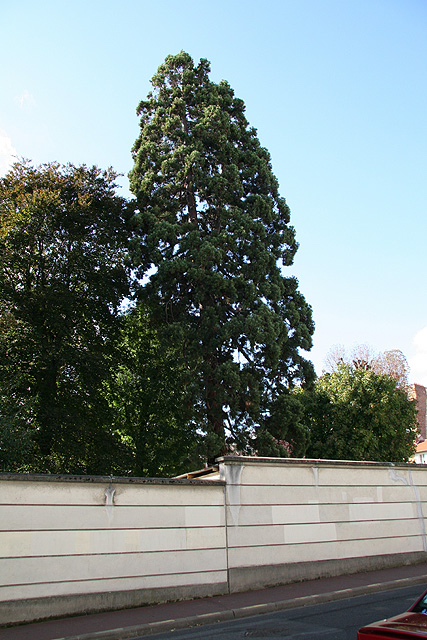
pixel 392 363
pixel 63 275
pixel 355 413
pixel 17 447
pixel 151 397
pixel 213 226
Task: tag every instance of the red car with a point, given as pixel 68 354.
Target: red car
pixel 411 624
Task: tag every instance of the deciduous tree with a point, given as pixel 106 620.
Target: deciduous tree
pixel 355 413
pixel 392 363
pixel 63 275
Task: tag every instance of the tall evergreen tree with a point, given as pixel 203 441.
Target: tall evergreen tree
pixel 214 234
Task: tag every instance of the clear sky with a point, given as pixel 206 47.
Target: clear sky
pixel 337 90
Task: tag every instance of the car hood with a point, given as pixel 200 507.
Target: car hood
pixel 408 622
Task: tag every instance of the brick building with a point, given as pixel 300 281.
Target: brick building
pixel 419 393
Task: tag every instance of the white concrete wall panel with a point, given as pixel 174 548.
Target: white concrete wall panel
pixel 37 570
pixel 49 589
pixel 52 493
pixel 272 475
pixel 33 517
pixel 102 541
pixel 322 532
pixel 93 493
pixel 297 553
pixel 276 495
pixel 146 495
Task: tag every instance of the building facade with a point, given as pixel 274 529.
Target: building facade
pixel 419 393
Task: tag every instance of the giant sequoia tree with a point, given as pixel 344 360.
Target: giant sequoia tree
pixel 214 236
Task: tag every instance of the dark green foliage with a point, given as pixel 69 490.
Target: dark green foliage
pixel 150 394
pixel 214 227
pixel 63 275
pixel 357 414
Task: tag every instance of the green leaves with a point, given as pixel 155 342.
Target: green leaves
pixel 206 361
pixel 213 226
pixel 63 274
pixel 152 393
pixel 357 414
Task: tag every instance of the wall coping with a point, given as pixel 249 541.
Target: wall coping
pixel 41 477
pixel 226 460
pixel 252 460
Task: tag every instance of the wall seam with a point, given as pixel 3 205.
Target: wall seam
pixel 226 538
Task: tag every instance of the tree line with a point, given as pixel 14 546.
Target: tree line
pixel 151 335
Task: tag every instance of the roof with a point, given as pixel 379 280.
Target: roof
pixel 421 446
pixel 208 473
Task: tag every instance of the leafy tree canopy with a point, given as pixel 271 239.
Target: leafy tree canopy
pixel 213 234
pixel 355 413
pixel 63 275
pixel 150 394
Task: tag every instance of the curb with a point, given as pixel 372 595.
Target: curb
pixel 150 628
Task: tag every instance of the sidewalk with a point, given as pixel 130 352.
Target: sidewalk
pixel 130 623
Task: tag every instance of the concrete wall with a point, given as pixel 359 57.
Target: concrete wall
pixel 74 545
pixel 292 520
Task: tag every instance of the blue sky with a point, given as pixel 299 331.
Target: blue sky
pixel 337 90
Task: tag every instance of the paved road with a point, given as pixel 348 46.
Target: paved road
pixel 331 621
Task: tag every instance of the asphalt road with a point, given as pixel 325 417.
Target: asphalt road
pixel 333 621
